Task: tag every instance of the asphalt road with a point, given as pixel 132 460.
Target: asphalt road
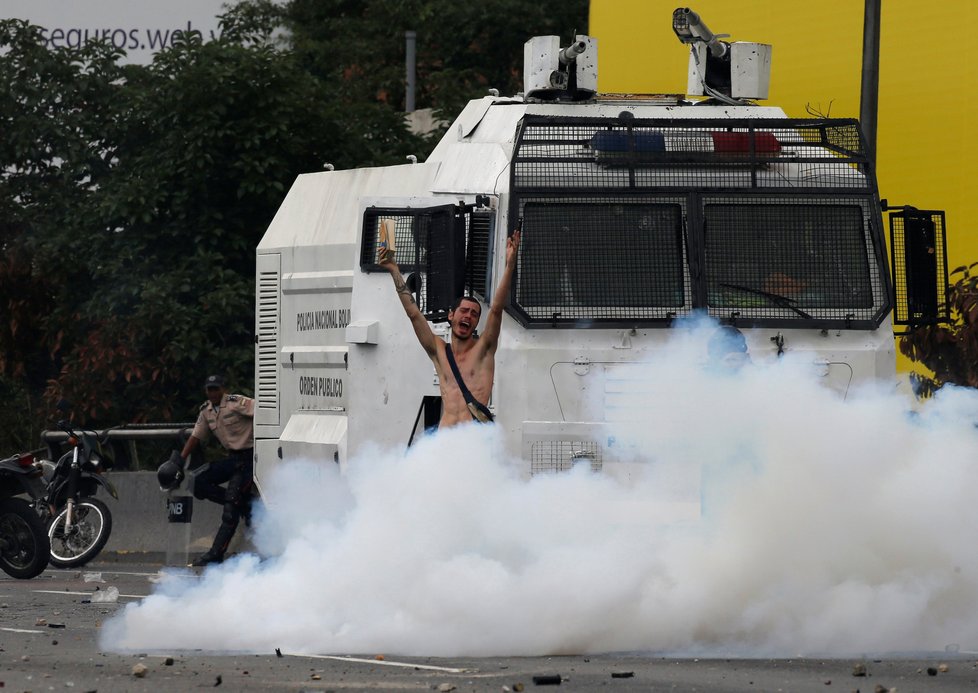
pixel 49 642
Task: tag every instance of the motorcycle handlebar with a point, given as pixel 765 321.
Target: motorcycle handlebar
pixel 65 427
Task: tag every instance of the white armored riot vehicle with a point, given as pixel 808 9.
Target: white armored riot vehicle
pixel 636 211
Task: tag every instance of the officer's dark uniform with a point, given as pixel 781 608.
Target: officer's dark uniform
pixel 231 422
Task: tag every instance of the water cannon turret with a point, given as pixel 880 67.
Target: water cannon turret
pixel 552 73
pixel 690 28
pixel 729 72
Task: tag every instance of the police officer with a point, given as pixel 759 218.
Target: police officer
pixel 230 418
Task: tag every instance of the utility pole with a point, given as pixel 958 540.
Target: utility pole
pixel 410 59
pixel 870 88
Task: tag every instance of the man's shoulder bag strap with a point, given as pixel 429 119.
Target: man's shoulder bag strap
pixel 477 409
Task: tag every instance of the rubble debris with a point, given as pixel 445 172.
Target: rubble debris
pixel 109 595
pixel 56 625
pixel 278 652
pixel 942 667
pixel 219 681
pixel 932 671
pixel 379 658
pixel 93 577
pixel 622 674
pixel 880 688
pixel 859 669
pixel 518 687
pixel 139 670
pixel 41 622
pixel 168 662
pixel 445 688
pixel 547 680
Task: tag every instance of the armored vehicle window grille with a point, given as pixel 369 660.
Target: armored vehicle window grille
pixel 805 259
pixel 751 206
pixel 429 245
pixel 412 231
pixel 604 260
pixel 564 455
pixel 554 153
pixel 920 274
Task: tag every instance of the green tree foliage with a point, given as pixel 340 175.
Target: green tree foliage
pixel 132 197
pixel 463 48
pixel 57 115
pixel 949 351
pixel 131 202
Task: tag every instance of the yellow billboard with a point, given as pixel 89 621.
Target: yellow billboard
pixel 927 77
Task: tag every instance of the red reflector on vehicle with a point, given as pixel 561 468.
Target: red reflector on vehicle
pixel 26 460
pixel 739 142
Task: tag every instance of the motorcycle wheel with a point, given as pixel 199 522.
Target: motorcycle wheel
pixel 24 543
pixel 90 530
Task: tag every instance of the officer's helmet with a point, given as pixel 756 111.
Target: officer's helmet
pixel 170 473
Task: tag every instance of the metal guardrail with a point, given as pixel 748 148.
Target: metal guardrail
pixel 121 439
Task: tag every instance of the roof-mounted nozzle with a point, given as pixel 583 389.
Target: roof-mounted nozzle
pixel 552 73
pixel 731 73
pixel 690 29
pixel 569 54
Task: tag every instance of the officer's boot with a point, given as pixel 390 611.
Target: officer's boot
pixel 216 553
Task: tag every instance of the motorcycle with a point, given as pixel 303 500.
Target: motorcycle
pixel 79 524
pixel 24 543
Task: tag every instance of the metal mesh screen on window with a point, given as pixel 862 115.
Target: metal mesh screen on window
pixel 920 278
pixel 767 259
pixel 626 219
pixel 602 260
pixel 411 238
pixel 633 154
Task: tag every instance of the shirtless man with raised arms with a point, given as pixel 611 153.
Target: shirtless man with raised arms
pixel 474 354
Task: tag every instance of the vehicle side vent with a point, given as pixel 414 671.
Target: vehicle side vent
pixel 478 252
pixel 267 339
pixel 920 278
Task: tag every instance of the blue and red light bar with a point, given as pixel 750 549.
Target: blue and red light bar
pixel 655 141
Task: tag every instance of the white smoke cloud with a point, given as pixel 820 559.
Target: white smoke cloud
pixel 827 526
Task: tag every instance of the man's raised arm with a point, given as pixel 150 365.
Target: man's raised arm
pixel 421 327
pixel 490 336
